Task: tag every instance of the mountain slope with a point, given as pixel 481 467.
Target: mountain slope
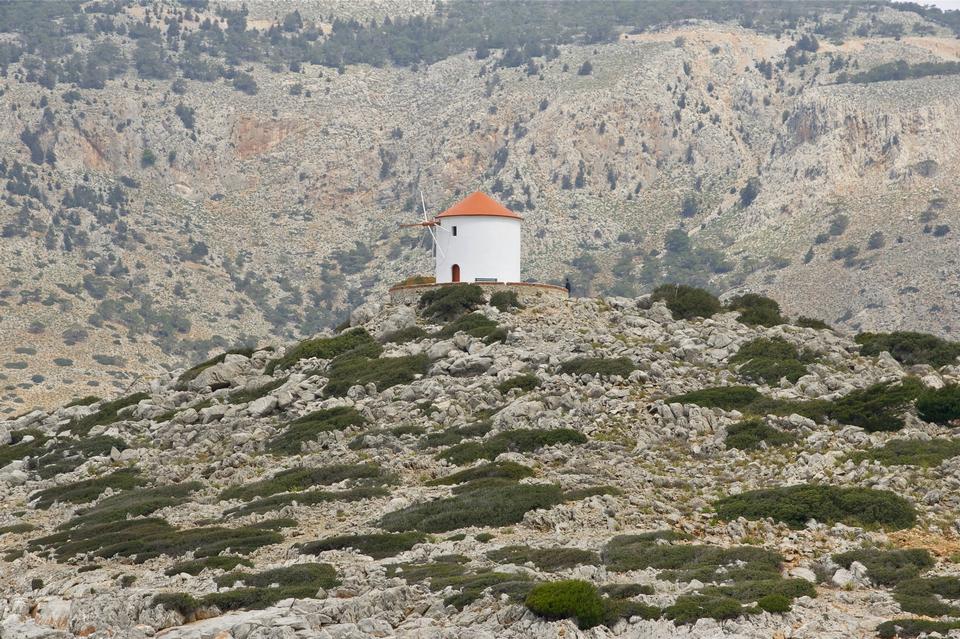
pixel 167 217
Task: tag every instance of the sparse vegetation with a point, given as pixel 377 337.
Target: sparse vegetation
pixel 322 348
pixel 384 372
pixel 769 360
pixel 926 453
pixel 505 301
pixel 888 567
pixel 910 348
pixel 569 599
pixel 296 479
pixel 107 414
pixel 502 470
pixel 941 406
pixel 526 383
pixel 687 302
pixel 376 545
pixel 750 433
pixel 796 505
pixel 448 302
pixel 621 366
pixel 302 429
pixel 546 559
pixel 481 503
pixel 520 440
pixel 756 310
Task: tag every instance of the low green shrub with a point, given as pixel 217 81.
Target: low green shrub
pixel 521 440
pixel 504 470
pixel 450 572
pixel 749 433
pixel 106 414
pixel 196 566
pixel 133 502
pixel 929 596
pixel 384 372
pixel 296 479
pixel 83 401
pixel 194 371
pixel 486 505
pixel 547 559
pixel 568 599
pixel 911 628
pixel 625 591
pixel 888 567
pixel 940 406
pixel 926 453
pixel 16 529
pixel 910 348
pixel 364 440
pixel 306 428
pixel 308 498
pixel 376 545
pixel 448 302
pixel 261 590
pixel 505 301
pixel 812 322
pixel 180 602
pixel 526 382
pixel 616 609
pixel 577 494
pixel 877 408
pixel 404 335
pixel 246 395
pixel 768 360
pixel 686 562
pixel 143 539
pixel 87 490
pixel 456 434
pixel 687 302
pixel 725 397
pixel 473 324
pixel 621 366
pixel 756 310
pixel 67 455
pixel 795 505
pixel 690 608
pixel 774 603
pixel 322 348
pixel 24 443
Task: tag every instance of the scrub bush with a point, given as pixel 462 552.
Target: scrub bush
pixel 749 433
pixel 795 505
pixel 888 567
pixel 910 348
pixel 322 347
pixel 376 545
pixel 448 302
pixel 941 406
pixel 687 302
pixel 568 599
pixel 621 366
pixel 521 440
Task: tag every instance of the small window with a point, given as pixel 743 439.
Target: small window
pixel 454 231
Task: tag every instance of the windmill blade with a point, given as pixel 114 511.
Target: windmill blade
pixel 423 205
pixel 435 242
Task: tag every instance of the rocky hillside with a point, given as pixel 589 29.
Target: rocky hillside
pixel 188 177
pixel 469 468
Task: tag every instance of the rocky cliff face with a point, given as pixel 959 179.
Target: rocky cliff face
pixel 407 479
pixel 273 213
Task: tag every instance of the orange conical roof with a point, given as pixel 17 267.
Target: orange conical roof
pixel 478 203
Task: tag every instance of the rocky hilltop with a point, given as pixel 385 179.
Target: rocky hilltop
pixel 188 177
pixel 479 467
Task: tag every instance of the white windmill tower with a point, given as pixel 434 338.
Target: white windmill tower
pixel 478 241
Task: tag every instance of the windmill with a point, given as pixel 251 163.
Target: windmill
pixel 430 224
